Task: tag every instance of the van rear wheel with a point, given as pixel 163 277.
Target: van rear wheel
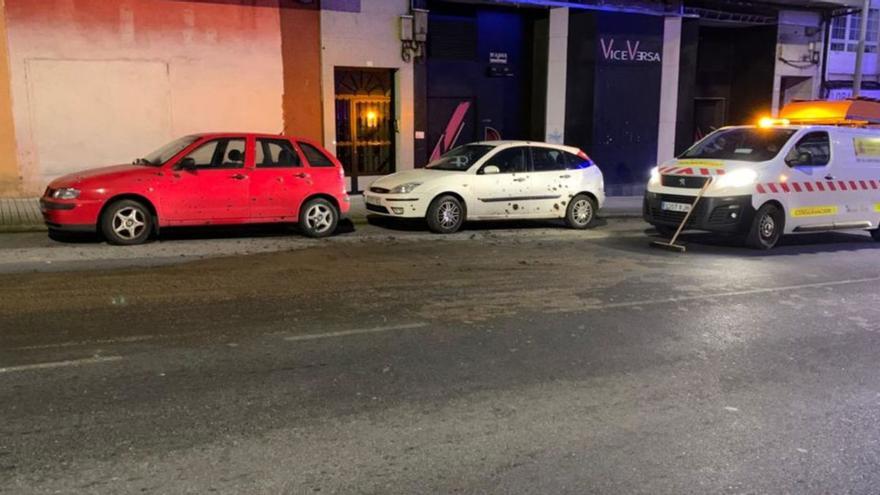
pixel 767 227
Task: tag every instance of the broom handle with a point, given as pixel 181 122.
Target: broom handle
pixel 693 207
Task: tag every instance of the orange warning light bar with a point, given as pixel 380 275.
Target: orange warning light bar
pixel 770 122
pixel 855 112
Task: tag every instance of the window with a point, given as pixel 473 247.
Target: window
pixel 461 158
pixel 510 160
pixel 167 152
pixel 548 160
pixel 746 144
pixel 315 157
pixel 273 153
pixel 576 163
pixel 813 150
pixel 845 32
pixel 219 153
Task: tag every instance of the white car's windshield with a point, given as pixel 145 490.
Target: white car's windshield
pixel 461 158
pixel 750 144
pixel 166 152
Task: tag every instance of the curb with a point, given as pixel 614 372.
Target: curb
pixel 15 229
pixel 359 220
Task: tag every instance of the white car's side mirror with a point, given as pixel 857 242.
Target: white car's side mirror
pixel 491 169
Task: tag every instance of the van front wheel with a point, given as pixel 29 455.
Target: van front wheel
pixel 876 234
pixel 767 227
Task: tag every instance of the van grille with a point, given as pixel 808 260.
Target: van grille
pixel 683 181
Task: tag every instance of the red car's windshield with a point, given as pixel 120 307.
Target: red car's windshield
pixel 166 152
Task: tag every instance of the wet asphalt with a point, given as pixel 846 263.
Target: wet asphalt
pixel 512 358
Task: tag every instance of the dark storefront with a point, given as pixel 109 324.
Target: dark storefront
pixel 613 93
pixel 732 77
pixel 479 77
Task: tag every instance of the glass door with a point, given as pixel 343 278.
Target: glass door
pixel 365 122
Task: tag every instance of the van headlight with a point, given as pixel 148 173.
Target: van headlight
pixel 738 178
pixel 405 188
pixel 66 193
pixel 655 177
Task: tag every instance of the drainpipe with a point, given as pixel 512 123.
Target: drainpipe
pixel 863 32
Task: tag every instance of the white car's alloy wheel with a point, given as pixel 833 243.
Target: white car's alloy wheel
pixel 449 214
pixel 582 211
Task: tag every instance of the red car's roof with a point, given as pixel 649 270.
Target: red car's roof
pixel 249 134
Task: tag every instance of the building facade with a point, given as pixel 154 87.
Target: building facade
pixel 388 85
pixel 843 40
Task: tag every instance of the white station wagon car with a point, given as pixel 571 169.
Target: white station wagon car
pixel 494 180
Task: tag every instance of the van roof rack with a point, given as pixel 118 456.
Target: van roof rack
pixel 851 112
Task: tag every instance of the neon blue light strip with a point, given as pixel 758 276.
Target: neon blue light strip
pixel 576 5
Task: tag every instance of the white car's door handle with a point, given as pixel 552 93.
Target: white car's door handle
pixel 521 179
pixel 566 176
pixel 829 177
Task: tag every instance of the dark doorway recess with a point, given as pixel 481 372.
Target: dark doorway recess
pixel 480 75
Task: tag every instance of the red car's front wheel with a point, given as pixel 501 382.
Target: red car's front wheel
pixel 126 222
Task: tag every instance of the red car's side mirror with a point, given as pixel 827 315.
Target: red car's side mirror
pixel 188 164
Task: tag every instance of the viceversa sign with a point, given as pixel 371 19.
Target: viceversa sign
pixel 627 51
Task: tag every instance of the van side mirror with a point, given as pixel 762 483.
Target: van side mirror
pixel 491 169
pixel 187 163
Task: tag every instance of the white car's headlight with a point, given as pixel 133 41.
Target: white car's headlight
pixel 655 176
pixel 405 188
pixel 738 178
pixel 66 193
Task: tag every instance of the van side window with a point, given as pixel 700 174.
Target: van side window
pixel 812 150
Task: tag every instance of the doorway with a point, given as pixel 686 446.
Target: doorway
pixel 365 122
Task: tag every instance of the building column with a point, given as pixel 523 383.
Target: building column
pixel 669 89
pixel 10 174
pixel 557 60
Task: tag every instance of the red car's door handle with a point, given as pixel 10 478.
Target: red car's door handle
pixel 238 176
pixel 301 175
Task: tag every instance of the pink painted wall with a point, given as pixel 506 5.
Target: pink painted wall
pixel 98 81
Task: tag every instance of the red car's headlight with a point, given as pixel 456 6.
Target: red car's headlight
pixel 66 193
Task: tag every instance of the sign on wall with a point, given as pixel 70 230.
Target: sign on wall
pixel 617 49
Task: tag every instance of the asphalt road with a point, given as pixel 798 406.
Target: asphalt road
pixel 530 359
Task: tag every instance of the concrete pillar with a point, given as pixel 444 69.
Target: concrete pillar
pixel 557 60
pixel 10 175
pixel 669 89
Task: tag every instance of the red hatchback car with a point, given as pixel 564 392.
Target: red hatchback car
pixel 204 179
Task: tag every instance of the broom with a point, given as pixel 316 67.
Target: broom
pixel 671 245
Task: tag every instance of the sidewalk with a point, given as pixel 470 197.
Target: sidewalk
pixel 20 215
pixel 23 214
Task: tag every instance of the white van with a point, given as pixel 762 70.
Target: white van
pixel 771 179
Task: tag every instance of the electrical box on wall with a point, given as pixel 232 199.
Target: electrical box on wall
pixel 406 28
pixel 420 25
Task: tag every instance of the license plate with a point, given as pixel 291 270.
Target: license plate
pixel 680 207
pixel 372 201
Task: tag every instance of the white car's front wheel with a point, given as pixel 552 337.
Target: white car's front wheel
pixel 581 212
pixel 445 215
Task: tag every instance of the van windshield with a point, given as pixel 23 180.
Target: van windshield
pixel 750 144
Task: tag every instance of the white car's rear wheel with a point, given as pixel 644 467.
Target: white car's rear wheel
pixel 581 212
